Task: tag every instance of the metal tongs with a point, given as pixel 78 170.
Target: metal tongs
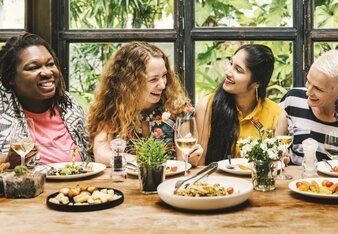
pixel 212 167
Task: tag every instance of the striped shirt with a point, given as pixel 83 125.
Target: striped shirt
pixel 306 124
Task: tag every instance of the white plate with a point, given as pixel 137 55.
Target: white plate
pixel 222 165
pixel 166 192
pixel 294 188
pixel 97 168
pixel 170 163
pixel 323 168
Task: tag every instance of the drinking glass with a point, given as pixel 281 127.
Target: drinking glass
pixel 331 144
pixel 22 137
pixel 185 137
pixel 285 138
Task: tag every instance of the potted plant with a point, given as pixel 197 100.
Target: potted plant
pixel 151 157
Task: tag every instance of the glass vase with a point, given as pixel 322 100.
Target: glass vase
pixel 150 177
pixel 264 174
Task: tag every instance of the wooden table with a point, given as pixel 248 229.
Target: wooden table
pixel 278 211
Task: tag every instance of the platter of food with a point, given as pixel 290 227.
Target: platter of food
pixel 68 170
pixel 83 198
pixel 316 187
pixel 215 192
pixel 240 166
pixel 173 167
pixel 326 169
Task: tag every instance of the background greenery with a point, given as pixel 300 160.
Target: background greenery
pixel 87 59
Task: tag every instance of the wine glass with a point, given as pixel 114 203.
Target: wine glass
pixel 22 138
pixel 285 138
pixel 185 137
pixel 331 144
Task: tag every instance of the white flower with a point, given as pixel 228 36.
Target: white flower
pixel 165 116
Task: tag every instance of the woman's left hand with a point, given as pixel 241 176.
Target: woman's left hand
pixel 196 151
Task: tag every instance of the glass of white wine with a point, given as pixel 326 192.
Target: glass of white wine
pixel 185 137
pixel 331 144
pixel 23 137
pixel 286 139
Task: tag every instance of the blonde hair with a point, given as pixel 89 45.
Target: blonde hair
pixel 327 63
pixel 117 98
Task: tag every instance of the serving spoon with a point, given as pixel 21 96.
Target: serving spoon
pixel 328 164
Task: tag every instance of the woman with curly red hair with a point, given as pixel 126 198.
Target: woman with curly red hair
pixel 138 96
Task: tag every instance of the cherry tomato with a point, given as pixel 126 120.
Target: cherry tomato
pixel 329 184
pixel 303 187
pixel 335 169
pixel 299 184
pixel 324 182
pixel 230 190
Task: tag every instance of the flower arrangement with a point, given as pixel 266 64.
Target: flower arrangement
pixel 268 149
pixel 265 148
pixel 264 154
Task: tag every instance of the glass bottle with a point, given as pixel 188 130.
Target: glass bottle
pixel 118 161
pixel 310 160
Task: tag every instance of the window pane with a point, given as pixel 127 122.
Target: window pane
pixel 321 47
pixel 107 14
pixel 325 14
pixel 236 13
pixel 12 14
pixel 212 57
pixel 88 59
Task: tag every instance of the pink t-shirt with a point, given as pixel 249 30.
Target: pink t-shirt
pixel 51 131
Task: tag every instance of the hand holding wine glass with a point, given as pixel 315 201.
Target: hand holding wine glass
pixel 331 144
pixel 23 137
pixel 185 136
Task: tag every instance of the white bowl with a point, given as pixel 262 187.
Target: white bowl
pixel 166 192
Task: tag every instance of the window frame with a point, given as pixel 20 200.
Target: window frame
pixel 5 34
pixel 185 34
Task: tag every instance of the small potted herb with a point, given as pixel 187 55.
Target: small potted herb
pixel 151 156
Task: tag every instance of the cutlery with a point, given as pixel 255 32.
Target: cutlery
pixel 328 164
pixel 131 166
pixel 258 125
pixel 211 167
pixel 230 166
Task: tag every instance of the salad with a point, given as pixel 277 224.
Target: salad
pixel 203 189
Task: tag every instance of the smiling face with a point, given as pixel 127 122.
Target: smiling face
pixel 238 78
pixel 156 73
pixel 36 76
pixel 321 89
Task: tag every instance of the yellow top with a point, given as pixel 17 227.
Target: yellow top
pixel 265 111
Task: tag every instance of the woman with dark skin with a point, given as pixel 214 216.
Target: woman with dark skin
pixel 32 86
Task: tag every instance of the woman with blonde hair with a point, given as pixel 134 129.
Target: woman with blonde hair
pixel 138 96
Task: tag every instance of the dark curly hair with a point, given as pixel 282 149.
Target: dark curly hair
pixel 9 60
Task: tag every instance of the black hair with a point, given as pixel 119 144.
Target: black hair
pixel 224 118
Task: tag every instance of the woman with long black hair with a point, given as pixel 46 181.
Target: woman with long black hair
pixel 225 116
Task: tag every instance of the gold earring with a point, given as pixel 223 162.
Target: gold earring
pixel 257 94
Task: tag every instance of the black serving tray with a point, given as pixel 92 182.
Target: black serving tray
pixel 82 208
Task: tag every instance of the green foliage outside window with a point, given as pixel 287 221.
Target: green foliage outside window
pixel 87 59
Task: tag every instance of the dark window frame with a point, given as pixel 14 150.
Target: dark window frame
pixel 185 34
pixel 5 34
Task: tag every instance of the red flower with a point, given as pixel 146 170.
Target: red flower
pixel 158 132
pixel 158 117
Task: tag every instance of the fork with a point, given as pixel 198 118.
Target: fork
pixel 211 167
pixel 258 125
pixel 328 164
pixel 230 166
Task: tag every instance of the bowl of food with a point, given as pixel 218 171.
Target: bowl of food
pixel 215 192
